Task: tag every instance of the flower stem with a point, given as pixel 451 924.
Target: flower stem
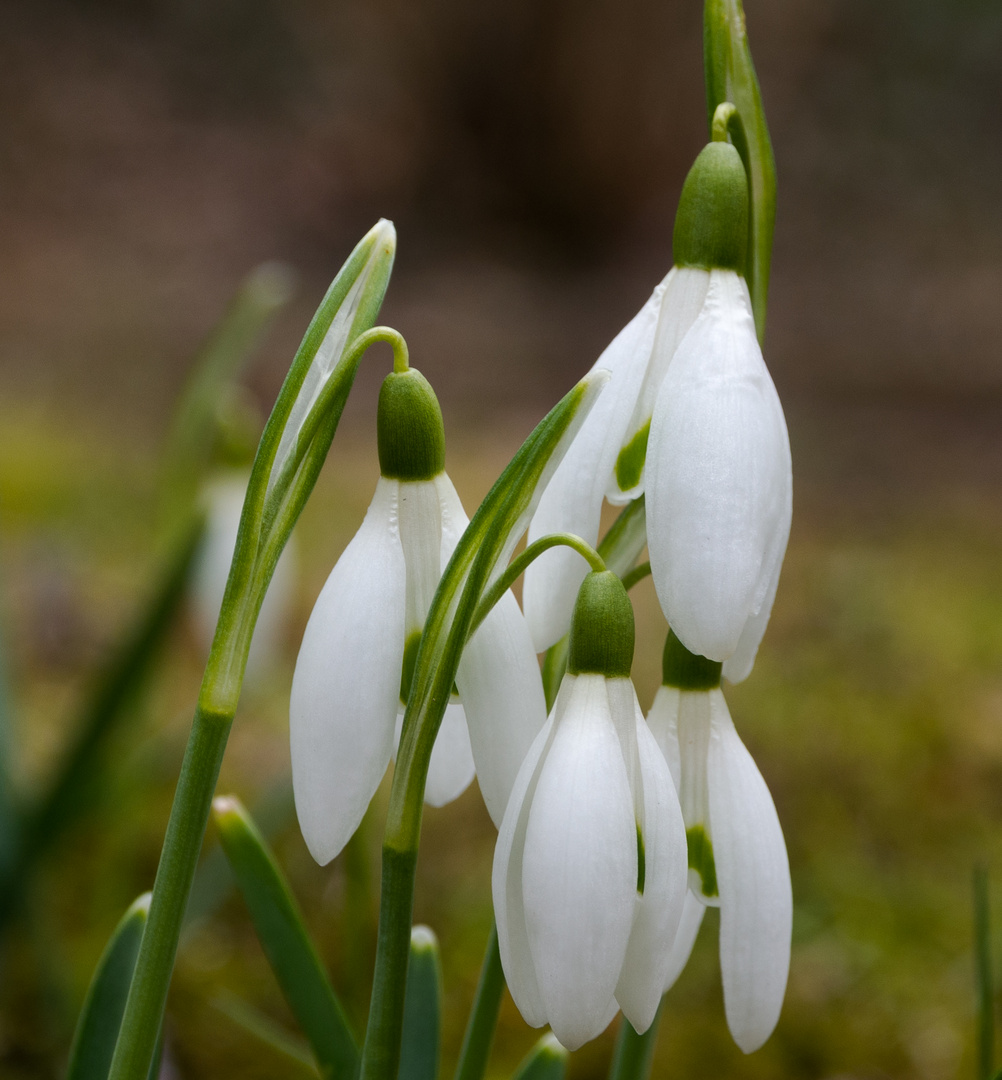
pixel 518 566
pixel 632 1058
pixel 483 1016
pixel 182 844
pixel 636 575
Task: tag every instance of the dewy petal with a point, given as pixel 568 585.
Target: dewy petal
pixel 659 909
pixel 719 478
pixel 506 880
pixel 579 867
pixel 498 679
pixel 692 918
pixel 753 873
pixel 347 682
pixel 450 769
pixel 572 500
pixel 684 295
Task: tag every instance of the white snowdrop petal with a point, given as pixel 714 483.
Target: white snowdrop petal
pixel 572 500
pixel 659 909
pixel 685 938
pixel 663 722
pixel 347 682
pixel 421 539
pixel 718 476
pixel 506 884
pixel 498 679
pixel 451 768
pixel 753 875
pixel 579 870
pixel 738 667
pixel 684 295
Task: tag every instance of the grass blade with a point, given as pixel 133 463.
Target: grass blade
pixel 101 1015
pixel 547 1060
pixel 265 1029
pixel 422 1009
pixel 484 1015
pixel 634 1054
pixel 286 941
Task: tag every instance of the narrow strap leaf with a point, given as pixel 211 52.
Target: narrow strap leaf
pixel 422 1009
pixel 123 674
pixel 101 1015
pixel 483 1020
pixel 632 1058
pixel 730 76
pixel 286 941
pixel 547 1060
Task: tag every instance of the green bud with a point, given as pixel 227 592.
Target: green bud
pixel 685 670
pixel 409 428
pixel 711 226
pixel 602 631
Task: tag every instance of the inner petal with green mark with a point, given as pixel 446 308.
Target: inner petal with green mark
pixel 630 463
pixel 641 862
pixel 702 869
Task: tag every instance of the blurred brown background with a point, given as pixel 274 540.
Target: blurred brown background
pixel 531 153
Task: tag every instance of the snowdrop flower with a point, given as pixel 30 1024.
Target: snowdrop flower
pixel 737 857
pixel 223 500
pixel 589 868
pixel 610 454
pixel 355 665
pixel 719 480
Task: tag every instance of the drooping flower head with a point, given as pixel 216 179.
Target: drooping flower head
pixel 691 419
pixel 719 479
pixel 736 854
pixel 589 869
pixel 354 668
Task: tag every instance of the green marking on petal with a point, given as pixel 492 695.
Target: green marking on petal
pixel 630 463
pixel 641 862
pixel 407 666
pixel 701 858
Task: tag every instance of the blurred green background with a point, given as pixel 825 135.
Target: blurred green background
pixel 530 153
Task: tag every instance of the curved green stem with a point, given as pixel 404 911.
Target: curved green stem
pixel 518 566
pixel 483 1020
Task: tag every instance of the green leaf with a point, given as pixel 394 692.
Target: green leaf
pixel 634 1054
pixel 547 1060
pixel 101 1015
pixel 261 296
pixel 484 1015
pixel 77 785
pixel 286 941
pixel 730 76
pixel 422 1009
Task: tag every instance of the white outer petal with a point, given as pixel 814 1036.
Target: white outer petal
pixel 347 682
pixel 753 875
pixel 662 719
pixel 579 866
pixel 659 910
pixel 506 882
pixel 692 918
pixel 450 769
pixel 498 679
pixel 684 295
pixel 719 477
pixel 572 500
